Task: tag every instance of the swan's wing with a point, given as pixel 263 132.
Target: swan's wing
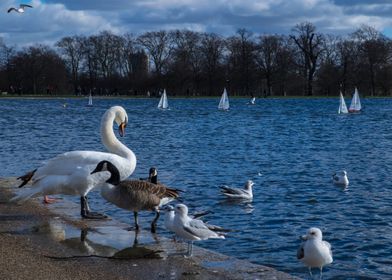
pixel 67 163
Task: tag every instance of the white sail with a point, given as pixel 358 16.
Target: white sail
pixel 163 104
pixel 355 105
pixel 224 101
pixel 90 100
pixel 342 105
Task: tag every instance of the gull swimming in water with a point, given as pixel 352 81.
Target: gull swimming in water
pixel 245 193
pixel 191 229
pixel 21 8
pixel 340 178
pixel 314 252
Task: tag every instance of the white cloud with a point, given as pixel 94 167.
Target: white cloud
pixel 50 20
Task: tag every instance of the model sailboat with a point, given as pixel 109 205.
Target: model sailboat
pixel 163 104
pixel 224 101
pixel 355 105
pixel 342 105
pixel 90 100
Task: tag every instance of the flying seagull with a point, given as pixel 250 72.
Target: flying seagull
pixel 21 8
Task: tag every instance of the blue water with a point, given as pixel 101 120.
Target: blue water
pixel 289 147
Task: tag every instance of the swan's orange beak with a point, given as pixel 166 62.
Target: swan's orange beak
pixel 121 129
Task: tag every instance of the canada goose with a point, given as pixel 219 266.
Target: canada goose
pixel 69 173
pixel 191 229
pixel 245 193
pixel 134 195
pixel 21 8
pixel 314 252
pixel 340 178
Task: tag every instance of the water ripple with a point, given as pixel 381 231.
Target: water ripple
pixel 289 147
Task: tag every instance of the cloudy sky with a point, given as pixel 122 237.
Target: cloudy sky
pixel 51 20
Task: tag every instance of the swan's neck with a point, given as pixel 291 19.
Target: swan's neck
pixel 109 139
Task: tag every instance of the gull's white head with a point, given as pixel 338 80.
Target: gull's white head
pixel 249 184
pixel 313 233
pixel 181 210
pixel 168 208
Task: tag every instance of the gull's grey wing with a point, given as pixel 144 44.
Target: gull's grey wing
pixel 329 247
pixel 11 9
pixel 25 5
pixel 228 190
pixel 199 229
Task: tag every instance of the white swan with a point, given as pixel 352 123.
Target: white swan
pixel 69 173
pixel 237 193
pixel 314 252
pixel 134 195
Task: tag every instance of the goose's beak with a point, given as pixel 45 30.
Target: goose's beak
pixel 121 129
pixel 94 171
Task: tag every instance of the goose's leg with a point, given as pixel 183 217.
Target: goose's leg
pixel 136 241
pixel 136 221
pixel 154 222
pixel 85 210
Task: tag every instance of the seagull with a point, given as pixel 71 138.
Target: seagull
pixel 169 219
pixel 21 8
pixel 314 252
pixel 340 178
pixel 191 229
pixel 245 193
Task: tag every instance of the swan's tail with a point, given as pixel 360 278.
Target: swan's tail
pixel 26 178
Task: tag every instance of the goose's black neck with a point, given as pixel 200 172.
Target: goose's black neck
pixel 115 175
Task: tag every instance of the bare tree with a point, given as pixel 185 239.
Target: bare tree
pixel 310 45
pixel 241 61
pixel 212 48
pixel 374 49
pixel 267 50
pixel 159 47
pixel 72 51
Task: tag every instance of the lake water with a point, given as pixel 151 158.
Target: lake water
pixel 288 147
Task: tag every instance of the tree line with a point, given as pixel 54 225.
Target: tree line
pixel 189 63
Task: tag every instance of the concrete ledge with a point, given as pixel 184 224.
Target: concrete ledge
pixel 53 242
